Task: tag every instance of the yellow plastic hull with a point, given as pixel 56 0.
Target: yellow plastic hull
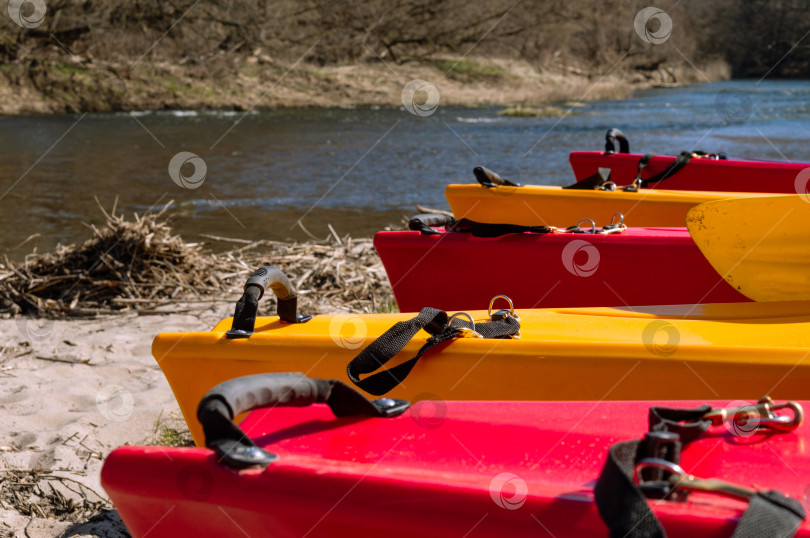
pixel 554 206
pixel 759 246
pixel 732 351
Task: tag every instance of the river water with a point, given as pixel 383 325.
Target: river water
pixel 358 169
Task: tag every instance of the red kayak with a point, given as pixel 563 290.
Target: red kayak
pixel 639 266
pixel 465 468
pixel 689 171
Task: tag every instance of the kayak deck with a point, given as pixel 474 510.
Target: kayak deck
pixel 741 350
pixel 538 270
pixel 535 205
pixel 371 475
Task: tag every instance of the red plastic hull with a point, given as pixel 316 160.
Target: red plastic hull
pixel 642 266
pixel 698 174
pixel 437 471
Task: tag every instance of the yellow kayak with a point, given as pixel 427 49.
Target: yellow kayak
pixel 716 351
pixel 536 205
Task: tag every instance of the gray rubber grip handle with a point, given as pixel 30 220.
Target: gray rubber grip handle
pixel 273 278
pixel 247 308
pixel 488 178
pixel 433 220
pixel 265 390
pixel 222 403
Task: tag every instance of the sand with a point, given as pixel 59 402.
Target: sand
pixel 70 392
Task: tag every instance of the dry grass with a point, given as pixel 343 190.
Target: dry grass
pixel 45 494
pixel 141 265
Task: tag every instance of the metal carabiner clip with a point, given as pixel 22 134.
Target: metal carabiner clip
pixel 468 332
pixel 759 415
pixel 680 479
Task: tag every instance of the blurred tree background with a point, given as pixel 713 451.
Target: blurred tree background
pixel 206 38
pixel 752 35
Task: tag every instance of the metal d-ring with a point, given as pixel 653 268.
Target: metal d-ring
pixel 613 228
pixel 451 318
pixel 608 186
pixel 593 225
pixel 508 300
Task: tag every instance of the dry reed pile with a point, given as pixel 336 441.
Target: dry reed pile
pixel 141 265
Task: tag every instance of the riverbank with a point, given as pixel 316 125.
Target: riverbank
pixel 77 377
pixel 243 82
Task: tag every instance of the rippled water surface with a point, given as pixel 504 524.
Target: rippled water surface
pixel 357 169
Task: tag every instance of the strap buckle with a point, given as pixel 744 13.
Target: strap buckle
pixel 760 415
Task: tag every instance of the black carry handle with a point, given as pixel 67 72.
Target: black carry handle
pixel 425 222
pixel 244 317
pixel 231 398
pixel 680 161
pixel 488 178
pixel 615 135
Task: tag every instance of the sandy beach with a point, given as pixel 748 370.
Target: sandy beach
pixel 72 391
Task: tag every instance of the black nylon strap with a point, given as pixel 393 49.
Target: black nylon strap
pixel 477 229
pixel 623 505
pixel 391 342
pixel 591 182
pixel 670 419
pixel 679 162
pixel 770 513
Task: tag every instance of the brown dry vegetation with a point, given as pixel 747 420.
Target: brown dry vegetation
pixel 139 264
pixel 109 55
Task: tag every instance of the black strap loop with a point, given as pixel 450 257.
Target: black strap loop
pixel 671 419
pixel 231 398
pixel 391 342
